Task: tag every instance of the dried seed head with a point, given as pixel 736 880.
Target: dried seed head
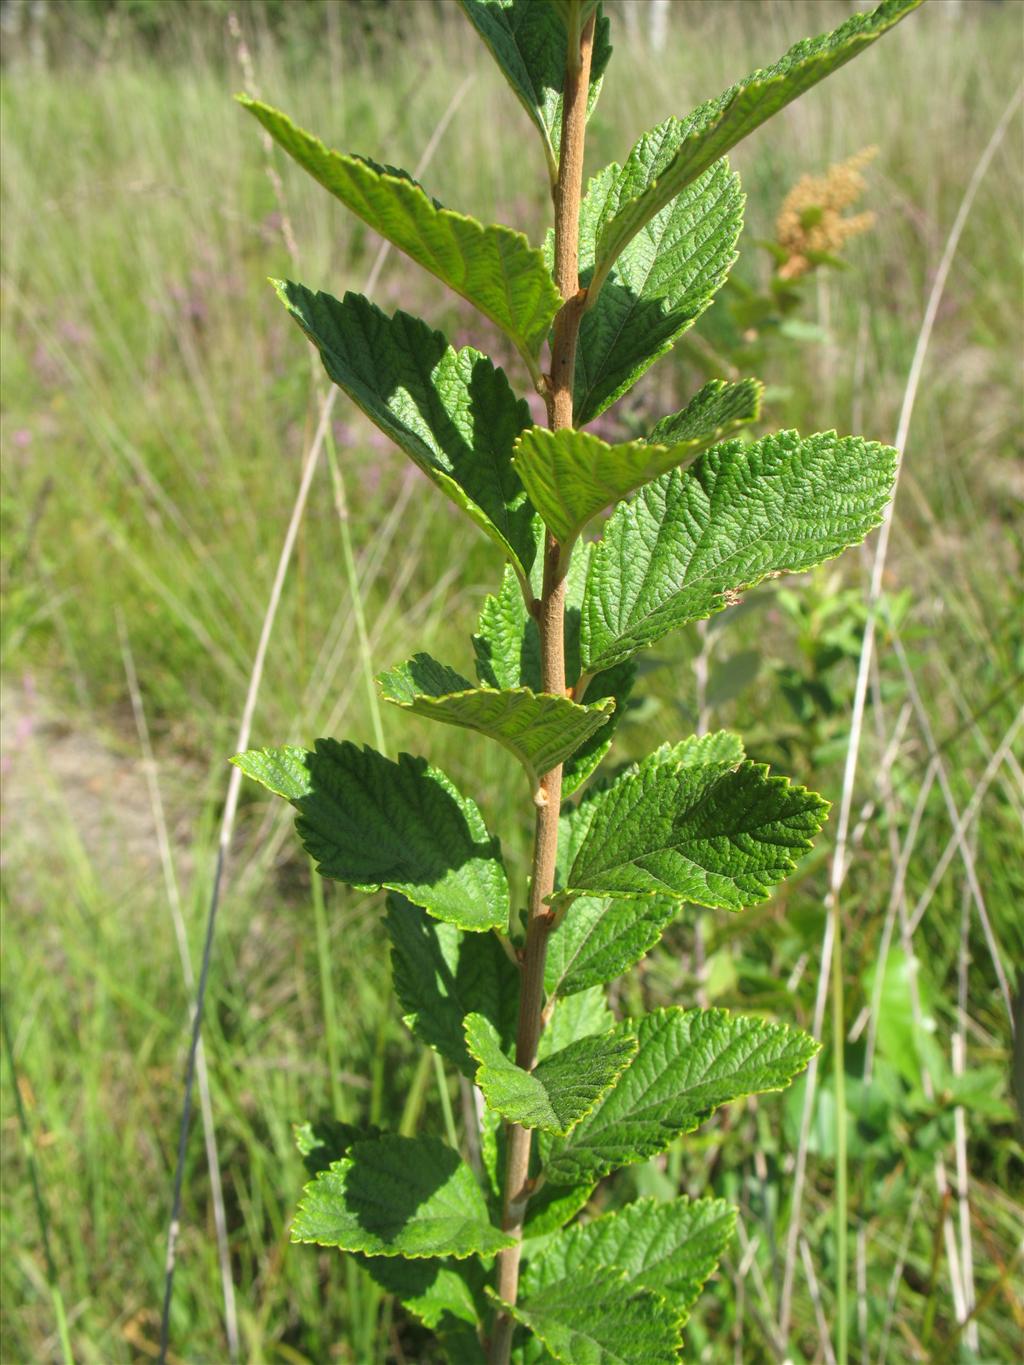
pixel 811 218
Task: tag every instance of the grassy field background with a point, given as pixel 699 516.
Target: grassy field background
pixel 158 406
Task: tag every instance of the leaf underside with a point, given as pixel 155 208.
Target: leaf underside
pixel 540 730
pixel 687 542
pixel 399 1196
pixel 570 476
pixel 507 650
pixel 689 1062
pixel 560 1090
pixel 404 826
pixel 493 267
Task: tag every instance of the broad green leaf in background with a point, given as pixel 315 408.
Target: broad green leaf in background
pixel 671 1248
pixel 493 267
pixel 709 132
pixel 539 729
pixel 373 823
pixel 529 41
pixel 713 835
pixel 600 1318
pixel 441 974
pixel 560 1090
pixel 398 1196
pixel 676 551
pixel 716 411
pixel 661 282
pixel 689 1062
pixel 451 412
pixel 601 937
pixel 570 476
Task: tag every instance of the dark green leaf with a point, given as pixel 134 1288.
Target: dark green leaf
pixel 570 476
pixel 399 1196
pixel 689 1063
pixel 663 280
pixel 556 1094
pixel 602 937
pixel 670 1248
pixel 441 974
pixel 678 550
pixel 529 42
pixel 713 835
pixel 540 730
pixel 718 409
pixel 451 412
pixel 441 1293
pixel 404 826
pixel 507 649
pixel 599 1318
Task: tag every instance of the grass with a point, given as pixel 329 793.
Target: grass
pixel 158 405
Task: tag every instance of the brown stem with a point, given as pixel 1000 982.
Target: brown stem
pixel 551 623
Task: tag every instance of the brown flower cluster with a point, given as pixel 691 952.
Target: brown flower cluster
pixel 811 218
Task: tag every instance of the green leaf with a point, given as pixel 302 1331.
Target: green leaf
pixel 578 1016
pixel 670 1248
pixel 399 1196
pixel 541 731
pixel 661 282
pixel 529 42
pixel 441 974
pixel 451 412
pixel 681 548
pixel 441 1293
pixel 616 683
pixel 507 642
pixel 373 823
pixel 494 267
pixel 689 1062
pixel 507 649
pixel 712 835
pixel 714 127
pixel 600 938
pixel 570 476
pixel 718 409
pixel 323 1141
pixel 560 1090
pixel 599 1318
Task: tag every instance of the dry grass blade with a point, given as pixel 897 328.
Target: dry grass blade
pixel 227 825
pixel 860 692
pixel 174 905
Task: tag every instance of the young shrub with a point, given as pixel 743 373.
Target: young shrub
pixel 492 1261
